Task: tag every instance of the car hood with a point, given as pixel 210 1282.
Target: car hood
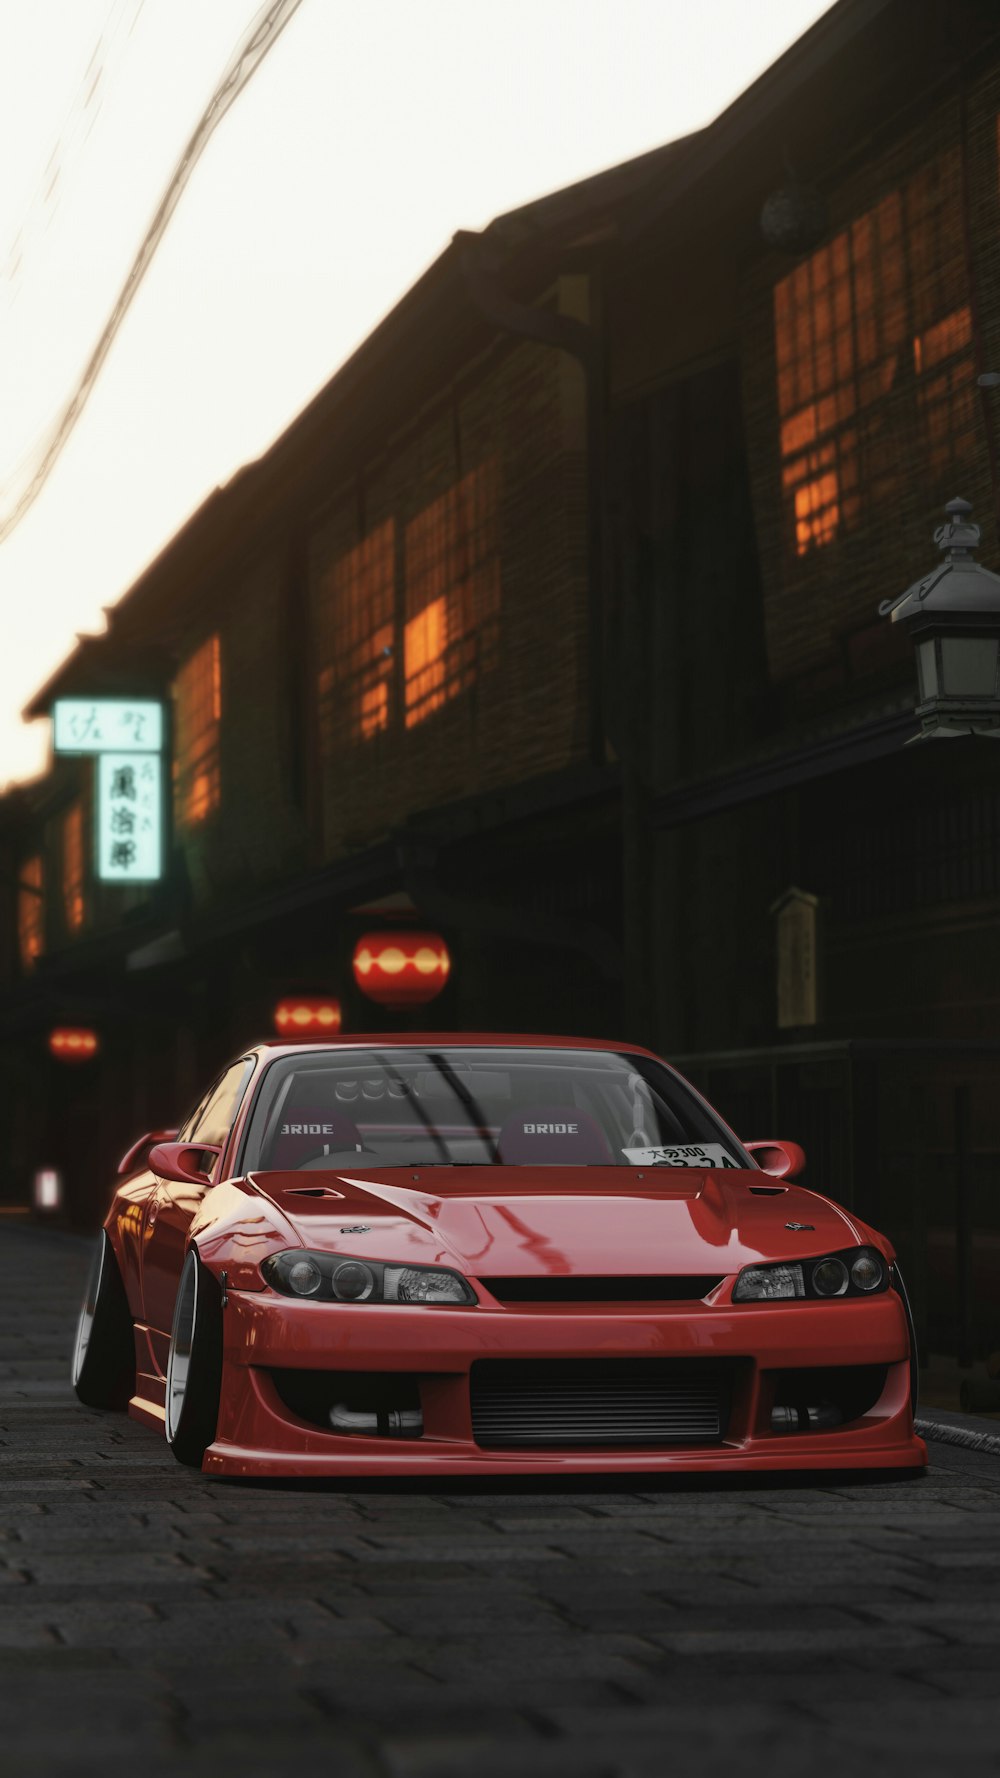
pixel 552 1221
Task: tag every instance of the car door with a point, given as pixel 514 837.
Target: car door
pixel 173 1205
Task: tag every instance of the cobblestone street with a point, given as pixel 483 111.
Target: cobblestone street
pixel 155 1621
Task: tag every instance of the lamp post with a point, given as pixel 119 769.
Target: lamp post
pixel 952 616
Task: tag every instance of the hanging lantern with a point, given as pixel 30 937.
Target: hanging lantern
pixel 304 1015
pixel 401 968
pixel 71 1044
pixel 794 218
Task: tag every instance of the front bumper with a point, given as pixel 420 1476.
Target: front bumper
pixel 258 1435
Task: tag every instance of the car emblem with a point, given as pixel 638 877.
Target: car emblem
pixel 357 1228
pixel 800 1225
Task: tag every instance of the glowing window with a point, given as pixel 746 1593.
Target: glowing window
pixel 817 511
pixel 942 359
pixel 73 868
pixel 839 322
pixel 425 660
pixel 452 629
pixel 949 336
pixel 197 723
pixel 868 316
pixel 31 913
pixel 354 616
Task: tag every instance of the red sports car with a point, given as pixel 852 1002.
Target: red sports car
pixel 473 1254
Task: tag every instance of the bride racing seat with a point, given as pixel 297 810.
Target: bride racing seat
pixel 547 1135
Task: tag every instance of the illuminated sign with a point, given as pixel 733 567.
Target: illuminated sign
pixel 129 817
pixel 107 725
pixel 127 737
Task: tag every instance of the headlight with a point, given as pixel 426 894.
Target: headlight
pixel 868 1271
pixel 424 1284
pixel 336 1278
pixel 304 1276
pixel 860 1271
pixel 830 1278
pixel 757 1284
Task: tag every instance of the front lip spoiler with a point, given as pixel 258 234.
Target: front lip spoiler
pixel 374 1457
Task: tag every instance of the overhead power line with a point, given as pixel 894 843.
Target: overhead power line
pixel 239 71
pixel 83 113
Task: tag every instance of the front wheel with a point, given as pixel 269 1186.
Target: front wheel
pixel 194 1364
pixel 103 1371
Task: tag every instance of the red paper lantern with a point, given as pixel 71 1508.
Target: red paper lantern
pixel 401 968
pixel 71 1044
pixel 308 1015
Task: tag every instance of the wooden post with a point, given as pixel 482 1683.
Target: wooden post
pixel 916 1272
pixel 963 1225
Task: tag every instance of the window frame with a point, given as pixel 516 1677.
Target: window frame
pixel 203 749
pixel 864 347
pixel 31 896
pixel 75 889
pixel 189 1131
pixel 354 617
pixel 452 566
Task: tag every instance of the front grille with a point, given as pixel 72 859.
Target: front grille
pixel 610 1401
pixel 599 1290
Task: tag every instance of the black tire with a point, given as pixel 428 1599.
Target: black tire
pixel 103 1370
pixel 194 1364
pixel 897 1278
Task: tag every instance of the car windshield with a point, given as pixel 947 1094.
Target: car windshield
pixel 465 1107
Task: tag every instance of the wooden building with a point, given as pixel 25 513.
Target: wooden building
pixel 554 619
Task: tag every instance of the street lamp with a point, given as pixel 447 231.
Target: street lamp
pixel 952 616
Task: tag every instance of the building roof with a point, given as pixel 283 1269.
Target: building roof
pixel 589 211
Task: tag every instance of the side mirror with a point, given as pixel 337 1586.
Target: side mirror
pixel 176 1161
pixel 784 1160
pixel 138 1154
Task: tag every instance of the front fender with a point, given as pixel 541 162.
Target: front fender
pixel 236 1229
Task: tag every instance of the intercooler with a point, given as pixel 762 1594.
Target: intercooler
pixel 585 1401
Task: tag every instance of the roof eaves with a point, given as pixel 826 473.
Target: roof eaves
pixel 592 204
pixel 808 55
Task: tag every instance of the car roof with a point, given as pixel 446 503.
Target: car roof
pixel 447 1039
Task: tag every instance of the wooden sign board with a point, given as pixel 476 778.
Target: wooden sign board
pixel 797 950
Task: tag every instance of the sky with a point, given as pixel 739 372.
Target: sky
pixel 373 130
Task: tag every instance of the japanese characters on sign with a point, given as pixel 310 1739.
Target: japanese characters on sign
pixel 127 736
pixel 101 725
pixel 129 817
